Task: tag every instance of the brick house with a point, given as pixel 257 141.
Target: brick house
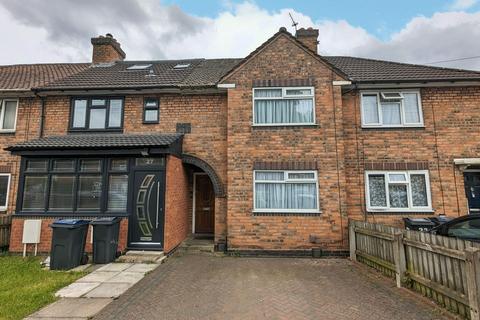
pixel 274 151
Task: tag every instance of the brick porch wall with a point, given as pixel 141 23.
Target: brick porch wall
pixel 177 204
pixel 44 246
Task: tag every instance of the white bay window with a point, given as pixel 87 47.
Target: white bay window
pixel 283 106
pixel 400 191
pixel 391 109
pixel 285 191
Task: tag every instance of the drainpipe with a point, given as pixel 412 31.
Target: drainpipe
pixel 42 115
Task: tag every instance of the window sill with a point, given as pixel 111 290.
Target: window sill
pixel 69 214
pixel 150 122
pixel 120 130
pixel 7 132
pixel 291 213
pixel 400 213
pixel 284 126
pixel 373 128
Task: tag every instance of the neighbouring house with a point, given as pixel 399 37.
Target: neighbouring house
pixel 275 151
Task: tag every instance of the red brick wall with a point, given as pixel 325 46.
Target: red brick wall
pixel 44 246
pixel 452 127
pixel 177 204
pixel 322 144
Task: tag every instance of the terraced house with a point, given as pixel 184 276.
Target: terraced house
pixel 274 151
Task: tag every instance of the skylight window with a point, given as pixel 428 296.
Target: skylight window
pixel 139 67
pixel 182 66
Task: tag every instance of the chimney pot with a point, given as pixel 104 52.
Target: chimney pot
pixel 106 49
pixel 309 37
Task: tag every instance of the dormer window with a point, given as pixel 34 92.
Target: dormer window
pixel 391 109
pixel 139 67
pixel 97 114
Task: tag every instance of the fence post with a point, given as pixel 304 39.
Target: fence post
pixel 352 240
pixel 399 258
pixel 472 270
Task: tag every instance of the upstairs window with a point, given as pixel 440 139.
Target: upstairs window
pixel 401 191
pixel 97 114
pixel 283 106
pixel 8 115
pixel 150 110
pixel 391 109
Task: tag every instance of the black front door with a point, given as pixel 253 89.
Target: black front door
pixel 147 219
pixel 472 190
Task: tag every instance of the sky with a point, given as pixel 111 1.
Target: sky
pixel 412 31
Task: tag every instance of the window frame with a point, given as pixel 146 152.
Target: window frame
pixel 2 115
pixel 145 108
pixel 284 97
pixel 403 124
pixel 9 175
pixel 410 207
pixel 89 106
pixel 285 181
pixel 104 172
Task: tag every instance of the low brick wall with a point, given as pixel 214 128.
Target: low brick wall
pixel 44 246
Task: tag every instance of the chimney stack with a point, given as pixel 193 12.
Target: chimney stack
pixel 309 37
pixel 106 49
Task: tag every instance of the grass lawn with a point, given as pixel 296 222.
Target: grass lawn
pixel 25 287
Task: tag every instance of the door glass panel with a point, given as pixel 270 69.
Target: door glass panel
pixel 34 192
pixel 89 192
pixel 117 192
pixel 61 192
pixel 97 118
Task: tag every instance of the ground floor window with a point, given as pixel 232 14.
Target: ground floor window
pixel 398 191
pixel 4 188
pixel 75 185
pixel 285 191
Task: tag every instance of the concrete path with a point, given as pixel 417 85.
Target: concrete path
pixel 88 295
pixel 208 287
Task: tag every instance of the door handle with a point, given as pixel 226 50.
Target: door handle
pixel 158 203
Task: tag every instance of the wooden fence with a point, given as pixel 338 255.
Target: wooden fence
pixel 446 270
pixel 5 223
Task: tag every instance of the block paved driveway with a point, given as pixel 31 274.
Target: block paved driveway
pixel 207 287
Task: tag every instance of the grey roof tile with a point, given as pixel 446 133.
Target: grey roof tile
pixel 97 141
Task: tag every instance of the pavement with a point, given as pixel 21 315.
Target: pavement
pixel 208 287
pixel 88 295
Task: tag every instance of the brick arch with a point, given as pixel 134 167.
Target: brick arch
pixel 218 188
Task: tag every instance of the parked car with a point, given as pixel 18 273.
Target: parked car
pixel 465 227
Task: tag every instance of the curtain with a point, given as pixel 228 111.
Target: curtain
pixel 284 111
pixel 89 192
pixel 398 195
pixel 370 109
pixel 410 105
pixel 391 113
pixel 285 196
pixel 115 116
pixel 376 189
pixel 419 190
pixel 79 113
pixel 61 192
pixel 117 192
pixel 3 190
pixel 9 115
pixel 34 192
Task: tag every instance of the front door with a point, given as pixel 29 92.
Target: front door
pixel 472 190
pixel 146 222
pixel 204 204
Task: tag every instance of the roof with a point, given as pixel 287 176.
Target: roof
pixel 160 73
pixel 97 141
pixel 370 70
pixel 27 76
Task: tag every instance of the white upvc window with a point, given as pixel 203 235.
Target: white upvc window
pixel 285 191
pixel 398 191
pixel 4 190
pixel 285 106
pixel 8 115
pixel 391 109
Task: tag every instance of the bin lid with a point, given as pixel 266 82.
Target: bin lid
pixel 69 223
pixel 105 220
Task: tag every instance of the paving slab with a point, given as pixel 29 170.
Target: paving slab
pixel 98 276
pixel 115 267
pixel 126 277
pixel 109 290
pixel 142 267
pixel 76 289
pixel 69 308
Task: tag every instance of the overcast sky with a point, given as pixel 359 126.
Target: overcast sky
pixel 416 31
